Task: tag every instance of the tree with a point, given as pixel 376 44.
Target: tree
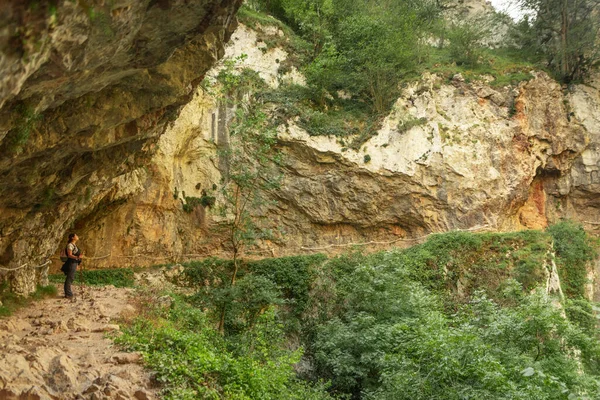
pixel 363 47
pixel 566 33
pixel 250 161
pixel 466 40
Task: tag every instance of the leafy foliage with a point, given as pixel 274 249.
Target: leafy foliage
pixel 383 333
pixel 461 316
pixel 465 42
pixel 564 34
pixel 356 55
pixel 192 202
pixel 194 361
pixel 10 302
pixel 118 277
pixel 282 281
pixel 521 352
pixel 249 158
pixel 574 250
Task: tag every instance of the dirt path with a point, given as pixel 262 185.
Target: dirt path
pixel 57 349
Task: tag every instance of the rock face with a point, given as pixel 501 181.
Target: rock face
pixel 471 156
pixel 86 90
pixel 576 194
pixel 451 155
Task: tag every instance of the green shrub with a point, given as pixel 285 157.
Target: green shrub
pixel 193 361
pixel 284 281
pixel 581 313
pixel 405 126
pixel 574 252
pixel 118 277
pixel 465 42
pixel 11 302
pixel 381 334
pixel 390 325
pixel 211 271
pixel 293 276
pixel 192 202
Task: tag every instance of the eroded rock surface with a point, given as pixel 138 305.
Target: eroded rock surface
pixel 86 89
pixel 451 155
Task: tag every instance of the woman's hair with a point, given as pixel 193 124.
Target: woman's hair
pixel 71 237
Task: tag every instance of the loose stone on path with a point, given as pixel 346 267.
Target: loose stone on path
pixel 59 349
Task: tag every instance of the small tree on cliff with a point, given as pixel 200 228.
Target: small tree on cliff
pixel 250 175
pixel 250 160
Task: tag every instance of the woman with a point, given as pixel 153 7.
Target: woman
pixel 74 257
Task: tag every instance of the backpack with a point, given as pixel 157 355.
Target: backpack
pixel 63 255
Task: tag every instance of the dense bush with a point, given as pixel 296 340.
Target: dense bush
pixel 574 251
pixel 282 281
pixel 461 316
pixel 396 325
pixel 388 337
pixel 194 361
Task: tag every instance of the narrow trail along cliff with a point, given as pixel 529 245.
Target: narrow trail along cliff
pixel 57 349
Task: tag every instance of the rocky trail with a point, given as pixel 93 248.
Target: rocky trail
pixel 58 349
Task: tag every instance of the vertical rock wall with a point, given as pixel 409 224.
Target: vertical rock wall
pixel 87 88
pixel 480 158
pixel 111 154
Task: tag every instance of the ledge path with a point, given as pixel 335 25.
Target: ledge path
pixel 58 349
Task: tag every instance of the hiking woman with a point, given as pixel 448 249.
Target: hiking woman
pixel 74 257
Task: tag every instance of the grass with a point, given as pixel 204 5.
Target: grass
pixel 508 67
pixel 459 263
pixel 12 302
pixel 118 277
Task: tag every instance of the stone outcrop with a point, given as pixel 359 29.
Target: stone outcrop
pixel 86 90
pixel 472 156
pixel 451 155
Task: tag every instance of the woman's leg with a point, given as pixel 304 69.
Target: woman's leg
pixel 71 267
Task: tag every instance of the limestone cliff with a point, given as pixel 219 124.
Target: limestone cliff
pixel 113 155
pixel 87 88
pixel 451 155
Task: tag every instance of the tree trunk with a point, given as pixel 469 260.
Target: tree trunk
pixel 235 267
pixel 232 283
pixel 564 68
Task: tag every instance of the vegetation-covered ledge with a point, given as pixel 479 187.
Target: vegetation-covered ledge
pixel 475 315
